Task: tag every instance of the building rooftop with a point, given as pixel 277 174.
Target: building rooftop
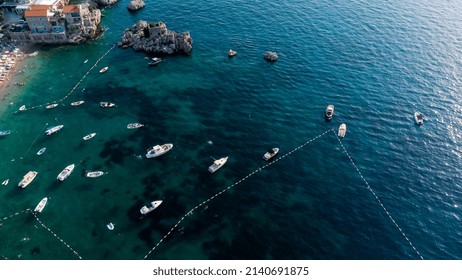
pixel 71 9
pixel 35 13
pixel 45 2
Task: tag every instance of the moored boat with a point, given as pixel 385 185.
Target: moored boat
pixel 86 60
pixel 270 154
pixel 66 172
pixel 217 164
pixel 342 130
pixel 89 136
pixel 94 174
pixel 51 106
pixel 148 207
pixel 27 179
pixel 22 108
pixel 41 151
pixel 5 132
pixel 41 205
pixel 106 104
pixel 134 125
pixel 155 61
pixel 158 150
pixel 104 69
pixel 329 112
pixel 232 53
pixel 53 129
pixel 77 103
pixel 6 182
pixel 418 117
pixel 110 226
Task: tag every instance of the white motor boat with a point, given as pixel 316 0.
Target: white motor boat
pixel 342 130
pixel 51 106
pixel 270 154
pixel 6 182
pixel 94 174
pixel 217 164
pixel 77 103
pixel 41 151
pixel 106 104
pixel 41 205
pixel 150 206
pixel 5 132
pixel 110 226
pixel 86 60
pixel 53 129
pixel 134 125
pixel 22 108
pixel 418 118
pixel 27 179
pixel 104 69
pixel 66 172
pixel 329 112
pixel 232 53
pixel 155 61
pixel 89 136
pixel 158 150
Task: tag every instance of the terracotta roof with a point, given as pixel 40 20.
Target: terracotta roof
pixel 36 13
pixel 71 9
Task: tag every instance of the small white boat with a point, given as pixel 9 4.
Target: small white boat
pixel 77 103
pixel 86 60
pixel 6 182
pixel 41 151
pixel 329 112
pixel 217 164
pixel 155 61
pixel 158 150
pixel 5 132
pixel 66 172
pixel 150 206
pixel 94 174
pixel 104 69
pixel 27 179
pixel 232 53
pixel 342 130
pixel 134 125
pixel 51 106
pixel 418 118
pixel 110 226
pixel 53 129
pixel 22 108
pixel 41 205
pixel 270 154
pixel 89 136
pixel 106 104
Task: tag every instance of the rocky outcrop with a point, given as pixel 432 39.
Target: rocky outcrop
pixel 105 2
pixel 135 5
pixel 156 38
pixel 271 56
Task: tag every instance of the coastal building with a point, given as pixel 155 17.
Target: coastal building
pixel 81 22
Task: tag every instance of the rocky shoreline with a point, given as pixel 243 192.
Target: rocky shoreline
pixel 156 38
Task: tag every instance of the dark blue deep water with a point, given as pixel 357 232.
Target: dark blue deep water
pixel 377 61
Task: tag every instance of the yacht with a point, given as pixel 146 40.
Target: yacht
pixel 53 129
pixel 134 125
pixel 89 136
pixel 106 104
pixel 270 154
pixel 104 69
pixel 232 53
pixel 342 130
pixel 94 174
pixel 51 106
pixel 217 164
pixel 158 150
pixel 66 172
pixel 41 205
pixel 41 151
pixel 27 179
pixel 6 182
pixel 5 132
pixel 150 206
pixel 22 108
pixel 155 61
pixel 329 112
pixel 418 118
pixel 77 103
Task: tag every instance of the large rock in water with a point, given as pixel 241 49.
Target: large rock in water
pixel 105 2
pixel 271 56
pixel 135 5
pixel 155 38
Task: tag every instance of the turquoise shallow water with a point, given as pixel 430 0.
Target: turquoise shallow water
pixel 376 62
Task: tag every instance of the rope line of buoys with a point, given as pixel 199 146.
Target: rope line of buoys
pixel 378 199
pixel 190 212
